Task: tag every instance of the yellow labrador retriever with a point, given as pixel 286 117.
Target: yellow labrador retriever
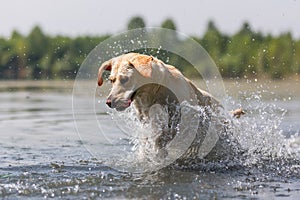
pixel 156 89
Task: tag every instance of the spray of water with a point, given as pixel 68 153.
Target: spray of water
pixel 254 140
pixel 265 145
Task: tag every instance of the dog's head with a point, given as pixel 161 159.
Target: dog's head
pixel 127 72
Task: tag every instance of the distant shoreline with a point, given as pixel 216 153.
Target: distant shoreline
pixel 31 84
pixel 68 83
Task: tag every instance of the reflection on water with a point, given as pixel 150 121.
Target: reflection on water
pixel 42 156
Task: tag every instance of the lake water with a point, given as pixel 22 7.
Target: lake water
pixel 45 153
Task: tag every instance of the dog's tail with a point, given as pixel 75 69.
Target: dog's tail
pixel 238 112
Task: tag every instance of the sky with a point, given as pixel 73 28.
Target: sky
pixel 97 17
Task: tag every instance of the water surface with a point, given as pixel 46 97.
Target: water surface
pixel 42 154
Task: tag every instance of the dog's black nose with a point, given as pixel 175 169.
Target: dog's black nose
pixel 108 102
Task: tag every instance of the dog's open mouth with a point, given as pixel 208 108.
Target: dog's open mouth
pixel 126 104
pixel 132 96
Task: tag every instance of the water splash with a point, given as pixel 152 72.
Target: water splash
pixel 151 149
pixel 266 145
pixel 256 138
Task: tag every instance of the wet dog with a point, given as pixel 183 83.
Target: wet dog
pixel 156 89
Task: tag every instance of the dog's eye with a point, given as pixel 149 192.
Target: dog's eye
pixel 124 79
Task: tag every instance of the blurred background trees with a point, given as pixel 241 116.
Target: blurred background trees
pixel 136 22
pixel 245 54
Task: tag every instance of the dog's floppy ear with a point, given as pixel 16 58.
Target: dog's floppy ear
pixel 142 63
pixel 105 66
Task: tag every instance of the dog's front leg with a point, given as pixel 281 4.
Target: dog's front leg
pixel 159 120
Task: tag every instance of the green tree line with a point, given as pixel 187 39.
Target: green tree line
pixel 245 54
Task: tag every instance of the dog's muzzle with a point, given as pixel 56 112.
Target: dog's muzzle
pixel 120 105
